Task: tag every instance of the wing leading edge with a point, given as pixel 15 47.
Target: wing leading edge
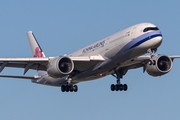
pixel 41 63
pixel 141 61
pixel 21 77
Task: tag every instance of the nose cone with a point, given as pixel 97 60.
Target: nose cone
pixel 157 41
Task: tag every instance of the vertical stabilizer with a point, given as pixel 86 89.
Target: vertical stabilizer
pixel 35 47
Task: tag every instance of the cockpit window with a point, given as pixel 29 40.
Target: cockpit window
pixel 150 28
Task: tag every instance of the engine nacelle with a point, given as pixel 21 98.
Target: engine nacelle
pixel 161 65
pixel 60 66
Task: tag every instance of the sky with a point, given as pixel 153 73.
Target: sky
pixel 63 26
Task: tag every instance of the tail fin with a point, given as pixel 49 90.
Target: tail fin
pixel 35 47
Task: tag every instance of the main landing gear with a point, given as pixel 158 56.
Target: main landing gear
pixel 119 86
pixel 69 88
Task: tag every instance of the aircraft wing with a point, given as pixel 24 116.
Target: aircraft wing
pixel 174 56
pixel 21 77
pixel 27 63
pixel 141 61
pixel 144 58
pixel 86 62
pixel 40 63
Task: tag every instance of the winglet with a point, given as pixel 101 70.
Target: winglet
pixel 34 45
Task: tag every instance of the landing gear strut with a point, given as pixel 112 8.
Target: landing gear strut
pixel 119 86
pixel 151 51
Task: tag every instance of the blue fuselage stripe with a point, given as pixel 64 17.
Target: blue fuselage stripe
pixel 141 39
pixel 145 39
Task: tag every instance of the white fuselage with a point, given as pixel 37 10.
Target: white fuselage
pixel 117 50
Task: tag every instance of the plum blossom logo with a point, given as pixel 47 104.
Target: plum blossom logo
pixel 38 53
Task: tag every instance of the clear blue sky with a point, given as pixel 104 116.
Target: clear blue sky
pixel 62 27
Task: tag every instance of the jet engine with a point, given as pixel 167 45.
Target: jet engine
pixel 159 65
pixel 60 66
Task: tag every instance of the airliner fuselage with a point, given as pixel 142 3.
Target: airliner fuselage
pixel 115 55
pixel 117 50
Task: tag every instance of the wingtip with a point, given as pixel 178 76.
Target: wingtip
pixel 29 32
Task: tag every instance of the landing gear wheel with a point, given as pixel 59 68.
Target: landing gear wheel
pixel 125 87
pixel 71 88
pixel 75 88
pixel 121 87
pixel 63 88
pixel 67 88
pixel 117 87
pixel 118 74
pixel 112 87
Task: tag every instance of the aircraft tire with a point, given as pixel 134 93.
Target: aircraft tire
pixel 117 87
pixel 75 88
pixel 63 88
pixel 125 87
pixel 71 88
pixel 112 87
pixel 121 87
pixel 67 88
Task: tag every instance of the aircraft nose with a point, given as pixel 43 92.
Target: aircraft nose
pixel 158 40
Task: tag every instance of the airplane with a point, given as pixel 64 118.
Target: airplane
pixel 113 55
